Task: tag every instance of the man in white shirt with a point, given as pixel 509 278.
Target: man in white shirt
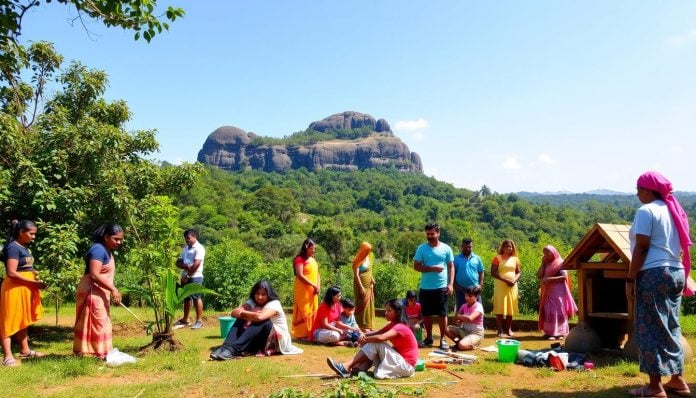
pixel 191 264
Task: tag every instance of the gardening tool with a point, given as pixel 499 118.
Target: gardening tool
pixel 135 316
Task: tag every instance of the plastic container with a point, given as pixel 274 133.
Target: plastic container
pixel 507 350
pixel 420 365
pixel 419 334
pixel 564 358
pixel 588 365
pixel 226 323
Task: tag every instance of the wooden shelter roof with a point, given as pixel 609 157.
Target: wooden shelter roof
pixel 608 242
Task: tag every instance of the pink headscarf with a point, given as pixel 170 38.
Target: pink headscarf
pixel 655 181
pixel 555 265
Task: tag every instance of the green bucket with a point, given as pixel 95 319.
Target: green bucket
pixel 226 323
pixel 507 350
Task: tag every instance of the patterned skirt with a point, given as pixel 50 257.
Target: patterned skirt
pixel 656 325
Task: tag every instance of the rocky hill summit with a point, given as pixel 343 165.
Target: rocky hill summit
pixel 343 141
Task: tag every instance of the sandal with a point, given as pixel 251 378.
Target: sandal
pixel 10 362
pixel 682 392
pixel 642 392
pixel 31 354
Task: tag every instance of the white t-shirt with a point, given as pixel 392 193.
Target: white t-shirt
pixel 189 254
pixel 654 220
pixel 280 325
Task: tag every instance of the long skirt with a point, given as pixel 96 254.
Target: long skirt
pixel 20 305
pixel 92 329
pixel 656 315
pixel 365 308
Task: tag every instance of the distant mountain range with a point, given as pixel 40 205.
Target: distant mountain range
pixel 600 192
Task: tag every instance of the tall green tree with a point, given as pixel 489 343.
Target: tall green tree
pixel 77 167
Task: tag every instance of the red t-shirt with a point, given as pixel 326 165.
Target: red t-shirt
pixel 331 313
pixel 405 343
pixel 413 312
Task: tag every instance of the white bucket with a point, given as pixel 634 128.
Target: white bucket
pixel 564 358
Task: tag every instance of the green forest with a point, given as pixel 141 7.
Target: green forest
pixel 68 162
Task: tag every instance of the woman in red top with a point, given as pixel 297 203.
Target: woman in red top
pixel 327 325
pixel 390 361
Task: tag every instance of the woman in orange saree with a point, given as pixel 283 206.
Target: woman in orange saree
pixel 20 301
pixel 306 293
pixel 93 323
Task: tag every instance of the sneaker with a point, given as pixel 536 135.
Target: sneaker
pixel 428 341
pixel 180 324
pixel 223 354
pixel 338 368
pixel 444 346
pixel 197 325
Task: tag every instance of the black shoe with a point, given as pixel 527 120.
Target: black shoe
pixel 428 341
pixel 338 368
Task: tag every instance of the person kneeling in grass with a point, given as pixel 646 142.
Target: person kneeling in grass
pixel 390 361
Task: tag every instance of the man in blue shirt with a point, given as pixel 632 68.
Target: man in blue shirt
pixel 468 271
pixel 434 260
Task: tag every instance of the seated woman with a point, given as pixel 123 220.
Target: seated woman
pixel 390 361
pixel 261 327
pixel 327 327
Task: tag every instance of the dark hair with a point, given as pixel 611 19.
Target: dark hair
pixel 265 285
pixel 15 228
pixel 512 243
pixel 105 230
pixel 347 303
pixel 190 232
pixel 305 245
pixel 431 226
pixel 466 241
pixel 473 290
pixel 410 294
pixel 398 306
pixel 329 295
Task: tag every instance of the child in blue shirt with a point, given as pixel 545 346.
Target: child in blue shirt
pixel 347 321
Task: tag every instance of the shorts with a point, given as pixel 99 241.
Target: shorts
pixel 433 301
pixel 198 280
pixel 467 337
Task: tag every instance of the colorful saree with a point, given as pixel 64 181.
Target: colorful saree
pixel 306 303
pixel 93 323
pixel 364 305
pixel 556 304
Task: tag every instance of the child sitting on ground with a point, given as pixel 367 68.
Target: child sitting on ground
pixel 347 322
pixel 414 316
pixel 467 332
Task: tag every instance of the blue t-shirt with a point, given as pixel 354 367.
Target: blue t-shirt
pixel 466 270
pixel 96 252
pixel 349 320
pixel 15 251
pixel 430 257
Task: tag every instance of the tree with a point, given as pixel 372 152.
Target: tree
pixel 77 167
pixel 337 241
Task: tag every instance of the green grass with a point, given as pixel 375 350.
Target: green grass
pixel 189 372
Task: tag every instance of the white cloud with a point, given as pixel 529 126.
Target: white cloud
pixel 511 163
pixel 411 125
pixel 546 159
pixel 682 40
pixel 417 136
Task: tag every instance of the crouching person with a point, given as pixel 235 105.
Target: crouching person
pixel 389 361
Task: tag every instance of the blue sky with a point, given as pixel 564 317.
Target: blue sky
pixel 517 95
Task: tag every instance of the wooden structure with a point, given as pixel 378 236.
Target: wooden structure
pixel 601 260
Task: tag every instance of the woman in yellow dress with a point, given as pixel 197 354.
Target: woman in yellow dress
pixel 306 293
pixel 364 287
pixel 505 269
pixel 20 301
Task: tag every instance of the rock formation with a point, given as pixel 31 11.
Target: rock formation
pixel 232 148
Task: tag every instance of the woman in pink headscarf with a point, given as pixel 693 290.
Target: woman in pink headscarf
pixel 556 304
pixel 660 265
